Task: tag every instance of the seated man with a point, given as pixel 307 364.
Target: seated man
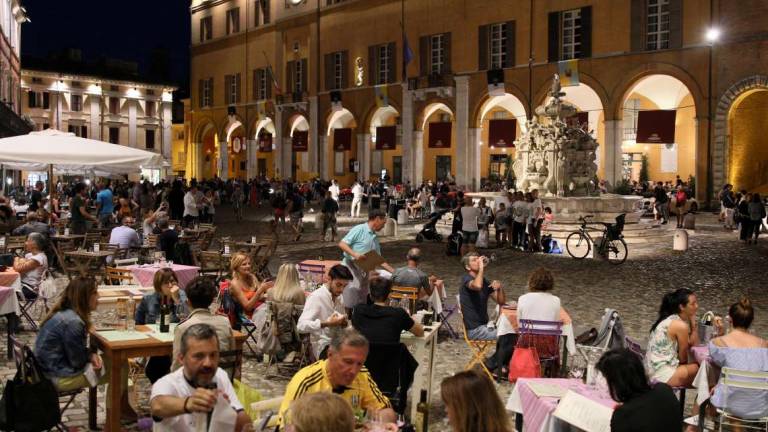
pixel 196 387
pixel 379 322
pixel 200 294
pixel 412 276
pixel 324 310
pixel 474 292
pixel 167 239
pixel 124 236
pixel 33 224
pixel 342 373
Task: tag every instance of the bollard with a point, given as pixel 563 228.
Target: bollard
pixel 402 217
pixel 680 242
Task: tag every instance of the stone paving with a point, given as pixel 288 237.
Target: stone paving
pixel 717 266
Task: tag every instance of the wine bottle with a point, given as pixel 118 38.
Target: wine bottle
pixel 422 413
pixel 165 315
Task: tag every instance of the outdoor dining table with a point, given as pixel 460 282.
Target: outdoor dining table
pixel 65 238
pixel 145 273
pixel 424 348
pixel 538 411
pixel 10 308
pixel 83 259
pixel 118 347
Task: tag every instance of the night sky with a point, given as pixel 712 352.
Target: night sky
pixel 122 30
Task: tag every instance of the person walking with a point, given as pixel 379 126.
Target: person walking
pixel 357 199
pixel 756 216
pixel 662 202
pixel 329 211
pixel 745 221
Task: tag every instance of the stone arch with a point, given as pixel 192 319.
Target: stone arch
pixel 371 111
pixel 423 106
pixel 584 79
pixel 622 89
pixel 510 89
pixel 202 128
pixel 720 145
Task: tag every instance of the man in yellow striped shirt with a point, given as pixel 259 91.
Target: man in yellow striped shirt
pixel 342 373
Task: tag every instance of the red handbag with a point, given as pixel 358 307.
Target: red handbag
pixel 524 364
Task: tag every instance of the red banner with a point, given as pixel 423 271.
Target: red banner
pixel 265 143
pixel 579 120
pixel 656 127
pixel 502 133
pixel 342 139
pixel 300 141
pixel 386 137
pixel 440 135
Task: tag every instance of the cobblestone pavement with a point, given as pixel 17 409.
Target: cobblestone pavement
pixel 717 266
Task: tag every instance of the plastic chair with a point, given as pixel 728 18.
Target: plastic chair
pixel 744 380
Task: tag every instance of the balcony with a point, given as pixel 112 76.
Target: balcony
pixel 439 84
pixel 11 124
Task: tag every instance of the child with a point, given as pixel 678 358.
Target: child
pixel 548 218
pixel 501 223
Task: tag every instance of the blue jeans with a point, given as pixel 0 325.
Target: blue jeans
pixel 482 332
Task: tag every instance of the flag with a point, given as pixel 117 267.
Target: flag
pixel 569 72
pixel 407 54
pixel 382 96
pixel 271 73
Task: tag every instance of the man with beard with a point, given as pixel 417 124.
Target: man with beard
pixel 194 388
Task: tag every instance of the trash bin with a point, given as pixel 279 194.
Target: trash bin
pixel 680 242
pixel 374 203
pixel 689 221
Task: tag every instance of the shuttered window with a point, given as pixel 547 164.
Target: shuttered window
pixel 657 30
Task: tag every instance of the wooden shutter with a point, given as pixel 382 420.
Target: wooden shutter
pixel 256 9
pixel 344 69
pixel 229 21
pixel 210 90
pixel 268 83
pixel 265 4
pixel 675 23
pixel 329 71
pixel 482 48
pixel 289 79
pixel 424 56
pixel 510 62
pixel 392 52
pixel 553 51
pixel 304 73
pixel 237 88
pixel 255 84
pixel 637 27
pixel 227 87
pixel 31 99
pixel 46 100
pixel 372 65
pixel 447 50
pixel 586 32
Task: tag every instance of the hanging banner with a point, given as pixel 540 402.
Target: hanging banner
pixel 502 133
pixel 656 127
pixel 300 141
pixel 440 134
pixel 386 137
pixel 568 70
pixel 265 143
pixel 578 121
pixel 342 139
pixel 236 147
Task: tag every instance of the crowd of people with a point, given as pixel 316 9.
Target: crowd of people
pixel 743 211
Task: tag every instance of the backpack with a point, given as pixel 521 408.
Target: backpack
pixel 228 306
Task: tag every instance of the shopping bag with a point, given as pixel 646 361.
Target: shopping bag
pixel 524 364
pixel 247 395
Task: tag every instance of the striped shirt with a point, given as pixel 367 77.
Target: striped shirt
pixel 362 393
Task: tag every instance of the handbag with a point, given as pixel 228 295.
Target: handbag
pixel 30 401
pixel 524 364
pixel 267 341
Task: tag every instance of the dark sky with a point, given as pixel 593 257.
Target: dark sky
pixel 124 30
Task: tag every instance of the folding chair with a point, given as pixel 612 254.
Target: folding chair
pixel 15 245
pixel 125 262
pixel 118 276
pixel 545 337
pixel 409 293
pixel 478 347
pixel 754 382
pixel 211 263
pixel 91 237
pixel 232 361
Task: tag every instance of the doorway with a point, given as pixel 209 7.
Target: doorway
pixel 442 167
pixel 261 166
pixel 397 169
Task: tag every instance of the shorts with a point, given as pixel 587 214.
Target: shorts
pixel 470 236
pixel 279 213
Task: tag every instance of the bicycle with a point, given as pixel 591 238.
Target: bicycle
pixel 611 245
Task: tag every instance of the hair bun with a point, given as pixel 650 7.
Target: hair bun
pixel 745 302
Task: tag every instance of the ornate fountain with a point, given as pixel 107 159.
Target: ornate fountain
pixel 553 157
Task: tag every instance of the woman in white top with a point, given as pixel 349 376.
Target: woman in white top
pixel 539 304
pixel 32 266
pixel 672 335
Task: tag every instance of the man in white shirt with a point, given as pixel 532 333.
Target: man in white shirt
pixel 519 218
pixel 191 205
pixel 324 310
pixel 125 236
pixel 334 190
pixel 357 199
pixel 198 387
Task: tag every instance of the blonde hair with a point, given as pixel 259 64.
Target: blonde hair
pixel 321 412
pixel 287 287
pixel 238 259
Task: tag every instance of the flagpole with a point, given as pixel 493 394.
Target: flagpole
pixel 402 36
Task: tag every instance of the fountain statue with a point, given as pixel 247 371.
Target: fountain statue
pixel 553 157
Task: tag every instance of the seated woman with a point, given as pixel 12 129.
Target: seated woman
pixel 743 351
pixel 287 288
pixel 148 312
pixel 473 404
pixel 32 266
pixel 628 385
pixel 672 335
pixel 247 290
pixel 539 304
pixel 61 345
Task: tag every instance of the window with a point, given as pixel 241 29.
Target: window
pixel 233 21
pixel 46 126
pixel 385 63
pixel 381 64
pixel 298 77
pixel 79 130
pixel 206 29
pixel 629 119
pixel 114 88
pixel 77 103
pixel 149 139
pixel 264 11
pixel 114 135
pixel 261 89
pixel 657 31
pixel 150 110
pixel 114 105
pixel 36 99
pixel 498 45
pixel 36 80
pixel 232 88
pixel 437 54
pixel 206 92
pixel 338 70
pixel 571 34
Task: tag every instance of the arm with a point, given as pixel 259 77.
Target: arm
pixel 679 330
pixel 311 321
pixel 72 339
pixel 348 249
pixel 23 265
pixel 164 406
pixel 84 212
pixel 498 294
pixel 477 283
pixel 417 329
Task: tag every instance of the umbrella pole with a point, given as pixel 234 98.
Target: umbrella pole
pixel 50 179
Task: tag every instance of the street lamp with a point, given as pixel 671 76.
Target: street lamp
pixel 712 36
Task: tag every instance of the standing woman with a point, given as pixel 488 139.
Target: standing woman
pixel 680 200
pixel 756 216
pixel 473 403
pixel 745 222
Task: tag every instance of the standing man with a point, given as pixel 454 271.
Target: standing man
pixel 191 205
pixel 357 199
pixel 662 202
pixel 36 197
pixel 535 222
pixel 105 204
pixel 358 241
pixel 334 190
pixel 79 210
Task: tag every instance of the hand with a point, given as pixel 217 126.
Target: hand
pixel 96 361
pixel 718 323
pixel 267 284
pixel 480 263
pixel 336 320
pixel 496 285
pixel 202 400
pixel 358 256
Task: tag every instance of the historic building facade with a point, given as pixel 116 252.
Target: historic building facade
pixel 297 88
pixel 12 16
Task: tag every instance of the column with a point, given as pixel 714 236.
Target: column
pixel 131 122
pixel 277 141
pixel 313 134
pixel 251 158
pixel 406 137
pixel 325 164
pixel 473 147
pixel 167 140
pixel 96 127
pixel 463 160
pixel 57 112
pixel 364 152
pixel 613 152
pixel 223 158
pixel 418 159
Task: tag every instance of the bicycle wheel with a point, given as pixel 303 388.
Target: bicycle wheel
pixel 577 245
pixel 616 251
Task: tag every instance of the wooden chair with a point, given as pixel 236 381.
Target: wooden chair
pixel 174 222
pixel 118 276
pixel 206 239
pixel 409 293
pixel 15 244
pixel 206 226
pixel 478 347
pixel 211 263
pixel 260 262
pixel 65 265
pixel 232 361
pixel 91 237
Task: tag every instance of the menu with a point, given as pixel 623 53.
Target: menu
pixel 584 413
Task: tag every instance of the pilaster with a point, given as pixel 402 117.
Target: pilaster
pixel 464 165
pixel 406 137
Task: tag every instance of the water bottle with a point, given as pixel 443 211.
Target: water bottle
pixel 131 321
